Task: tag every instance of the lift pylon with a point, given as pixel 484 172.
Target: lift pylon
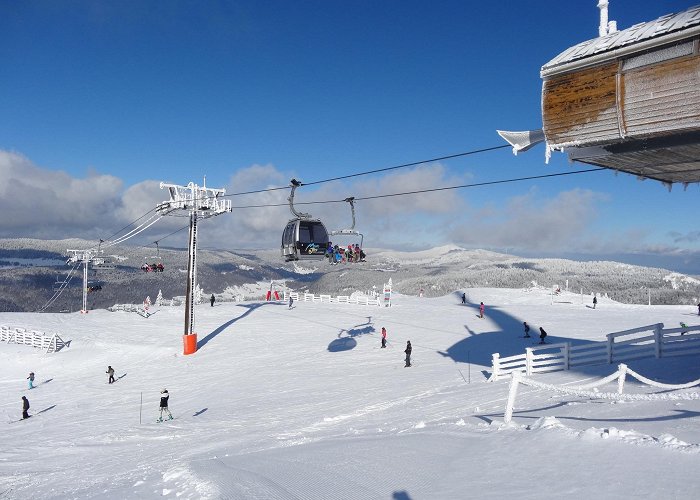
pixel 199 202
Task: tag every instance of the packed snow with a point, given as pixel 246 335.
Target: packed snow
pixel 303 403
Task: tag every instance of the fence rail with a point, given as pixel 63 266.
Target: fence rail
pixel 642 342
pixel 136 308
pixel 48 342
pixel 328 299
pixel 583 391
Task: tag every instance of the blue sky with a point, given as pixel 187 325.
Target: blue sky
pixel 103 100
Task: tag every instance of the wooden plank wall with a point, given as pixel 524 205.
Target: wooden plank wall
pixel 581 106
pixel 601 105
pixel 661 97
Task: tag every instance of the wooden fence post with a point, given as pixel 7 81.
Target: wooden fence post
pixel 622 373
pixel 495 365
pixel 512 392
pixel 658 338
pixel 567 355
pixel 610 349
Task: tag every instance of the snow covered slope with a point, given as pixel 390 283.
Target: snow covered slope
pixel 302 403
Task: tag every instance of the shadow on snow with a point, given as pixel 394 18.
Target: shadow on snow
pixel 346 338
pixel 507 340
pixel 249 309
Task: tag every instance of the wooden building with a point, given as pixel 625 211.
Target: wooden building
pixel 628 100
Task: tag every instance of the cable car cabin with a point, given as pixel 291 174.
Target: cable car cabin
pixel 304 239
pixel 629 100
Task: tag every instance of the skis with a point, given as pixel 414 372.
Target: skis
pixel 15 421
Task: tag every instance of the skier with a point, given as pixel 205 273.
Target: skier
pixel 383 337
pixel 698 309
pixel 110 372
pixel 543 334
pixel 212 300
pixel 527 330
pixel 595 301
pixel 25 407
pixel 31 380
pixel 291 301
pixel 684 326
pixel 481 310
pixel 408 354
pixel 164 396
pixel 464 298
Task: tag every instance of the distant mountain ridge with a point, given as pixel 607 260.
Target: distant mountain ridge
pixel 30 268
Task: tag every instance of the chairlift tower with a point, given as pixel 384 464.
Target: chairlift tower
pixel 199 202
pixel 84 257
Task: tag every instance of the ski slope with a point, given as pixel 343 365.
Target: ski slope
pixel 303 404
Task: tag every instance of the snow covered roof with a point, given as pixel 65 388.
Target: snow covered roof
pixel 666 29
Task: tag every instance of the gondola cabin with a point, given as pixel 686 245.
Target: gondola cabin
pixel 628 100
pixel 304 239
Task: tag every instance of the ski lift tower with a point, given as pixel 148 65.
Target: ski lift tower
pixel 200 202
pixel 84 257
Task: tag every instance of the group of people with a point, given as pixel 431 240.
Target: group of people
pixel 543 334
pixel 164 397
pixel 153 268
pixel 407 351
pixel 336 254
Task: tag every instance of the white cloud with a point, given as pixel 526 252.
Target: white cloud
pixel 533 223
pixel 51 204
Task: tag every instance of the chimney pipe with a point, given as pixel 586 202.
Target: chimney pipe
pixel 603 27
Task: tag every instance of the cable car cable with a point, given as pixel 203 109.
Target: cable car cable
pixel 462 186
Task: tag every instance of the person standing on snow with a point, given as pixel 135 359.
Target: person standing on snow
pixel 291 301
pixel 408 354
pixel 698 309
pixel 543 334
pixel 164 396
pixel 25 407
pixel 383 337
pixel 31 380
pixel 481 310
pixel 212 300
pixel 527 330
pixel 110 372
pixel 464 298
pixel 595 301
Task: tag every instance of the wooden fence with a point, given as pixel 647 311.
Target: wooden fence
pixel 137 308
pixel 48 342
pixel 340 299
pixel 643 342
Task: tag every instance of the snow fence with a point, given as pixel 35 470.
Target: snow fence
pixel 620 375
pixel 47 342
pixel 643 342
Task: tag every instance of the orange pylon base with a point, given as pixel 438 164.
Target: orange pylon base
pixel 190 343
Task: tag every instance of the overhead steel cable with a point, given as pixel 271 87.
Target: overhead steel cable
pixel 419 191
pixel 137 230
pixel 405 165
pixel 128 225
pixel 368 172
pixel 64 285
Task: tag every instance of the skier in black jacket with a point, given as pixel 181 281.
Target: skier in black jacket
pixel 164 396
pixel 25 407
pixel 543 334
pixel 408 354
